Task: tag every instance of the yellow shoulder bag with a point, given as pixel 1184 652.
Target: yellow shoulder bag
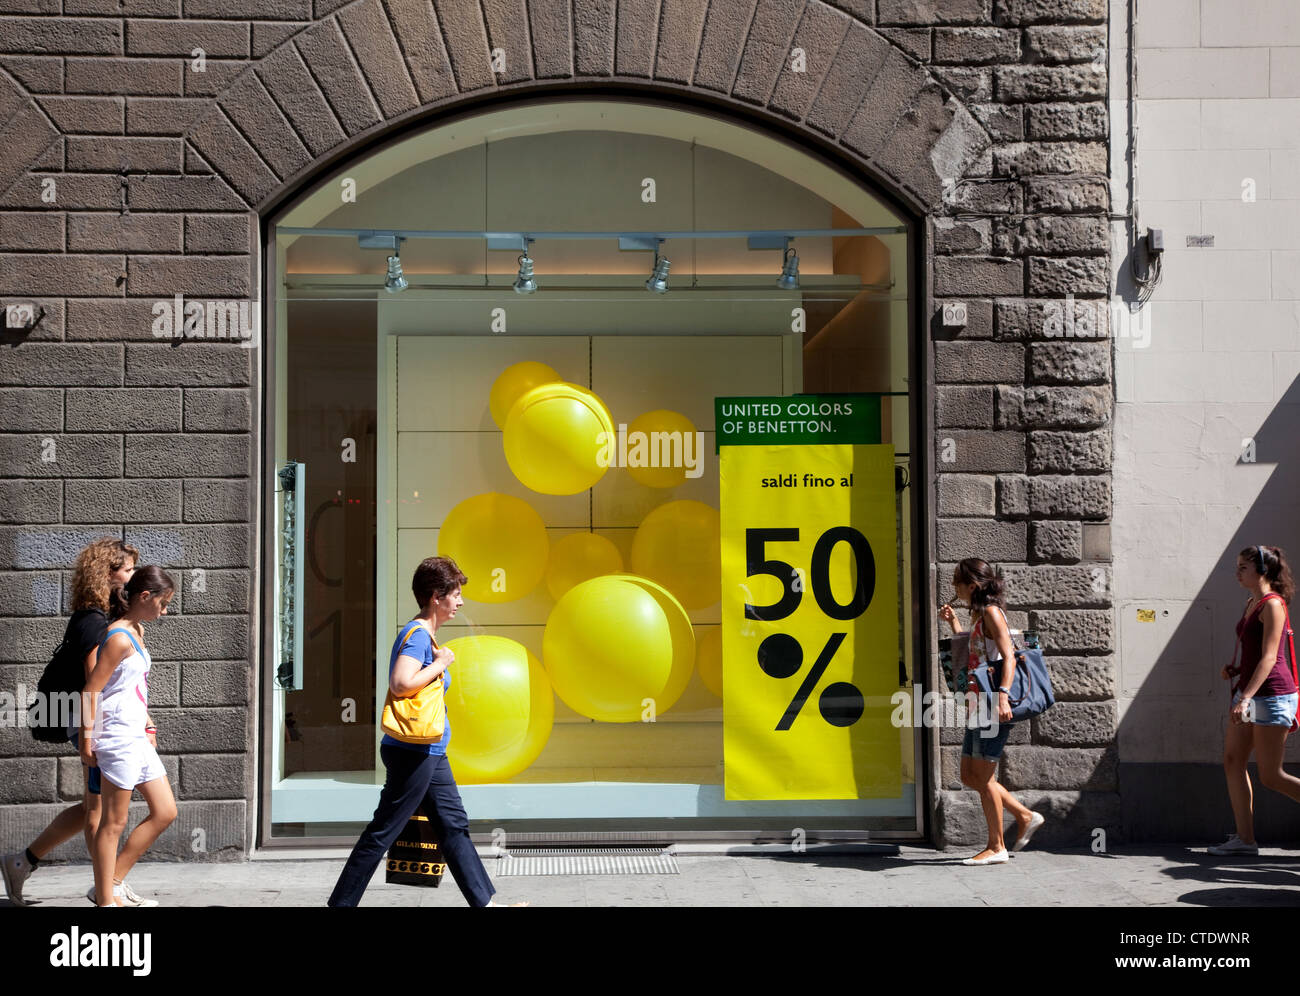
pixel 419 718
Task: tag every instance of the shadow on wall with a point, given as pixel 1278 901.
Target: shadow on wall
pixel 1171 735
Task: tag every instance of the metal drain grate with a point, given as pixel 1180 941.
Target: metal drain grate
pixel 587 861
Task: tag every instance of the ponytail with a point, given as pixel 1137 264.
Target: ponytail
pixel 118 603
pixel 986 583
pixel 152 579
pixel 1270 563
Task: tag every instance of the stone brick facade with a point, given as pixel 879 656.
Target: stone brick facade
pixel 131 176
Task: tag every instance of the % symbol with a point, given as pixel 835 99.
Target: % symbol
pixel 781 656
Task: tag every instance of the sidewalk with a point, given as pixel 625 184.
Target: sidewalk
pixel 1133 877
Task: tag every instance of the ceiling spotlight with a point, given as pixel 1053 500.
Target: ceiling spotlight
pixel 658 281
pixel 789 278
pixel 395 281
pixel 524 283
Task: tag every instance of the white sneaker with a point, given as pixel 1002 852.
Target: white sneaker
pixel 125 893
pixel 129 898
pixel 996 858
pixel 1233 845
pixel 15 869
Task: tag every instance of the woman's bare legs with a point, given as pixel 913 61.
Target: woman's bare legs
pixel 994 796
pixel 982 777
pixel 111 867
pixel 162 811
pixel 90 802
pixel 62 827
pixel 1270 742
pixel 1237 743
pixel 112 821
pixel 84 816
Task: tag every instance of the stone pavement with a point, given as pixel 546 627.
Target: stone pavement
pixel 1129 877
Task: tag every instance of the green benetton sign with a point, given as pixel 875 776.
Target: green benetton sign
pixel 797 420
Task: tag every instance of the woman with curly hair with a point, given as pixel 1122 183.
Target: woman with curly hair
pixel 1264 691
pixel 103 566
pixel 976 583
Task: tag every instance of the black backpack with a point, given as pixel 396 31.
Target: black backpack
pixel 64 675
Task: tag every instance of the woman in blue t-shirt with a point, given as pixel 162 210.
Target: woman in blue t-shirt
pixel 419 773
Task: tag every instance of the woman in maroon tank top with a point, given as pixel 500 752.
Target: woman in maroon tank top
pixel 1264 691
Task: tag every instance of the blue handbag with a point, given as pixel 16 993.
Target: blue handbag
pixel 1030 689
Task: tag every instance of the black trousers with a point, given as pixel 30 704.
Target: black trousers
pixel 414 778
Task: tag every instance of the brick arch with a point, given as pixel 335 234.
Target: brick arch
pixel 376 65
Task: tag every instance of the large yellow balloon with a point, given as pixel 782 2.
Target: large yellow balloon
pixel 580 557
pixel 615 641
pixel 683 637
pixel 554 438
pixel 513 383
pixel 679 546
pixel 500 542
pixel 664 436
pixel 500 707
pixel 708 657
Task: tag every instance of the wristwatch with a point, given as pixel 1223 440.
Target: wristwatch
pixel 1001 689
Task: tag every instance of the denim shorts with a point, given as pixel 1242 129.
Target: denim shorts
pixel 1273 710
pixel 985 744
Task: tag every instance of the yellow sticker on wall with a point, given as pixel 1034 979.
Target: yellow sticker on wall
pixel 810 625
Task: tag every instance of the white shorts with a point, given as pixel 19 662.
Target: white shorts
pixel 128 761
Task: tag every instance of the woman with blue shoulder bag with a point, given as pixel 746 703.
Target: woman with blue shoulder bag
pixel 980 587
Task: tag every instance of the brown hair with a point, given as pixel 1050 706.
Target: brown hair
pixel 151 579
pixel 1270 563
pixel 985 582
pixel 434 578
pixel 91 584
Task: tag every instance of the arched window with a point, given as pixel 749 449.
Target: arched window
pixel 382 425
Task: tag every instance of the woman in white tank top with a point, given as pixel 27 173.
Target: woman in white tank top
pixel 115 735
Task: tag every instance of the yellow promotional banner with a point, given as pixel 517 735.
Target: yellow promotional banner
pixel 809 600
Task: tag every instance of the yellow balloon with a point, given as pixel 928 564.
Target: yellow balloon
pixel 500 707
pixel 500 542
pixel 708 658
pixel 580 557
pixel 612 642
pixel 553 438
pixel 683 637
pixel 513 383
pixel 679 546
pixel 661 436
